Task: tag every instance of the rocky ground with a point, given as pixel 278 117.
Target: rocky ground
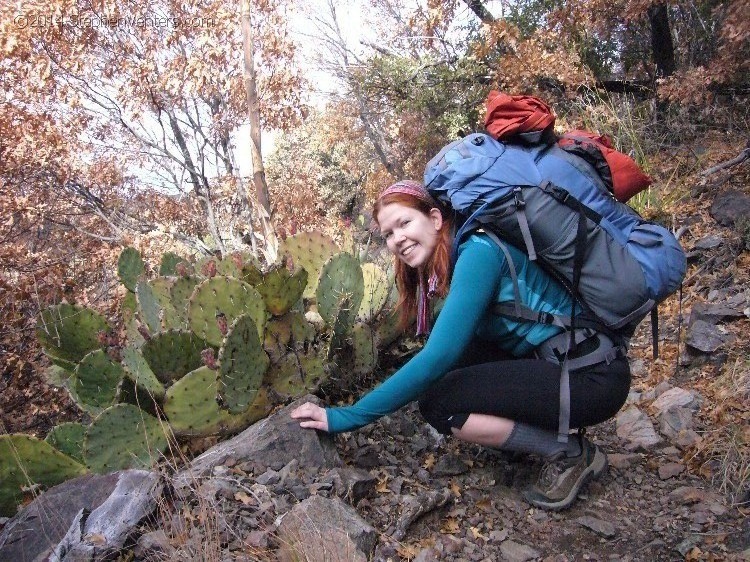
pixel 675 488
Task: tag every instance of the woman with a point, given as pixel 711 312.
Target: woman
pixel 477 377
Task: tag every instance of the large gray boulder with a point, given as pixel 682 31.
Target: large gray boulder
pixel 270 443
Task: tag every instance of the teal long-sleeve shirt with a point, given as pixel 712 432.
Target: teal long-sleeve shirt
pixel 481 277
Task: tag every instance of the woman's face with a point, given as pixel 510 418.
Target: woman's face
pixel 409 233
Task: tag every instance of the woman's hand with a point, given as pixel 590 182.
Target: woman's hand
pixel 315 417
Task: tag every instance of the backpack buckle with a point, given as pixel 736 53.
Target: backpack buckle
pixel 518 198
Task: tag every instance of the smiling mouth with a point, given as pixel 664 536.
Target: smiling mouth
pixel 407 251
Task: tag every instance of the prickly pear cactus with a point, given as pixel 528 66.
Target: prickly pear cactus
pixel 339 329
pixel 173 354
pixel 277 338
pixel 302 331
pixel 123 436
pixel 180 293
pixel 68 439
pixel 251 274
pixel 281 289
pixel 139 372
pixel 242 363
pixel 161 288
pixel 376 288
pixel 297 374
pixel 130 267
pixel 129 305
pixel 341 278
pixel 96 380
pixel 68 332
pixel 168 266
pixel 148 305
pixel 221 267
pixel 223 298
pixel 192 410
pixel 310 250
pixel 24 461
pixel 364 356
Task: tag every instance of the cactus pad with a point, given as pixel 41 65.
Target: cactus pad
pixel 123 436
pixel 341 277
pixel 149 307
pixel 96 380
pixel 137 370
pixel 302 331
pixel 339 330
pixel 169 263
pixel 129 305
pixel 180 293
pixel 192 410
pixel 173 354
pixel 171 319
pixel 223 296
pixel 130 393
pixel 296 375
pixel 281 289
pixel 251 274
pixel 68 332
pixel 277 337
pixel 364 356
pixel 376 290
pixel 25 460
pixel 242 364
pixel 310 250
pixel 68 439
pixel 58 376
pixel 130 267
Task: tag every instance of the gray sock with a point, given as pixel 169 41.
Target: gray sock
pixel 529 439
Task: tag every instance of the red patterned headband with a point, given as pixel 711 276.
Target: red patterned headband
pixel 410 187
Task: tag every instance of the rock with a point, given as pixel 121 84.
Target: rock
pixel 661 388
pixel 634 397
pixel 599 526
pixel 687 438
pixel 729 207
pixel 670 470
pixel 712 313
pixel 636 428
pixel 704 337
pixel 708 242
pixel 623 461
pixel 102 532
pixel 637 367
pixel 499 536
pixel 35 530
pixel 688 544
pixel 676 398
pixel 325 529
pixel 155 545
pixel 685 495
pixel 272 442
pixel 517 552
pixel 449 465
pixel 674 420
pixel 352 484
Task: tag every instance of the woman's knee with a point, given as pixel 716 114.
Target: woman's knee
pixel 433 413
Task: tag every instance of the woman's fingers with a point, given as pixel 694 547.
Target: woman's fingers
pixel 313 416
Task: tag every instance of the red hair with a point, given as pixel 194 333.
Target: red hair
pixel 407 277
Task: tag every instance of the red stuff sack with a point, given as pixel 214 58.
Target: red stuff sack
pixel 618 171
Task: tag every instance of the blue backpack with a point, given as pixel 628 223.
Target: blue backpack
pixel 553 204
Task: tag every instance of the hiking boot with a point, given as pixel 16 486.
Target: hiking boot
pixel 562 478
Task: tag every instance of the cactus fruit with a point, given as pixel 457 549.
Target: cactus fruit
pixel 24 461
pixel 212 266
pixel 341 277
pixel 376 290
pixel 310 250
pixel 173 354
pixel 123 436
pixel 68 332
pixel 227 296
pixel 169 262
pixel 130 268
pixel 242 363
pixel 192 410
pixel 137 370
pixel 281 289
pixel 96 380
pixel 68 439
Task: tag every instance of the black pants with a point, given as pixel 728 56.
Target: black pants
pixel 487 381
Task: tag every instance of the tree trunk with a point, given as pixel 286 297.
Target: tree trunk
pixel 662 46
pixel 480 11
pixel 259 173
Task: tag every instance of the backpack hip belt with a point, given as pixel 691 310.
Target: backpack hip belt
pixel 554 349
